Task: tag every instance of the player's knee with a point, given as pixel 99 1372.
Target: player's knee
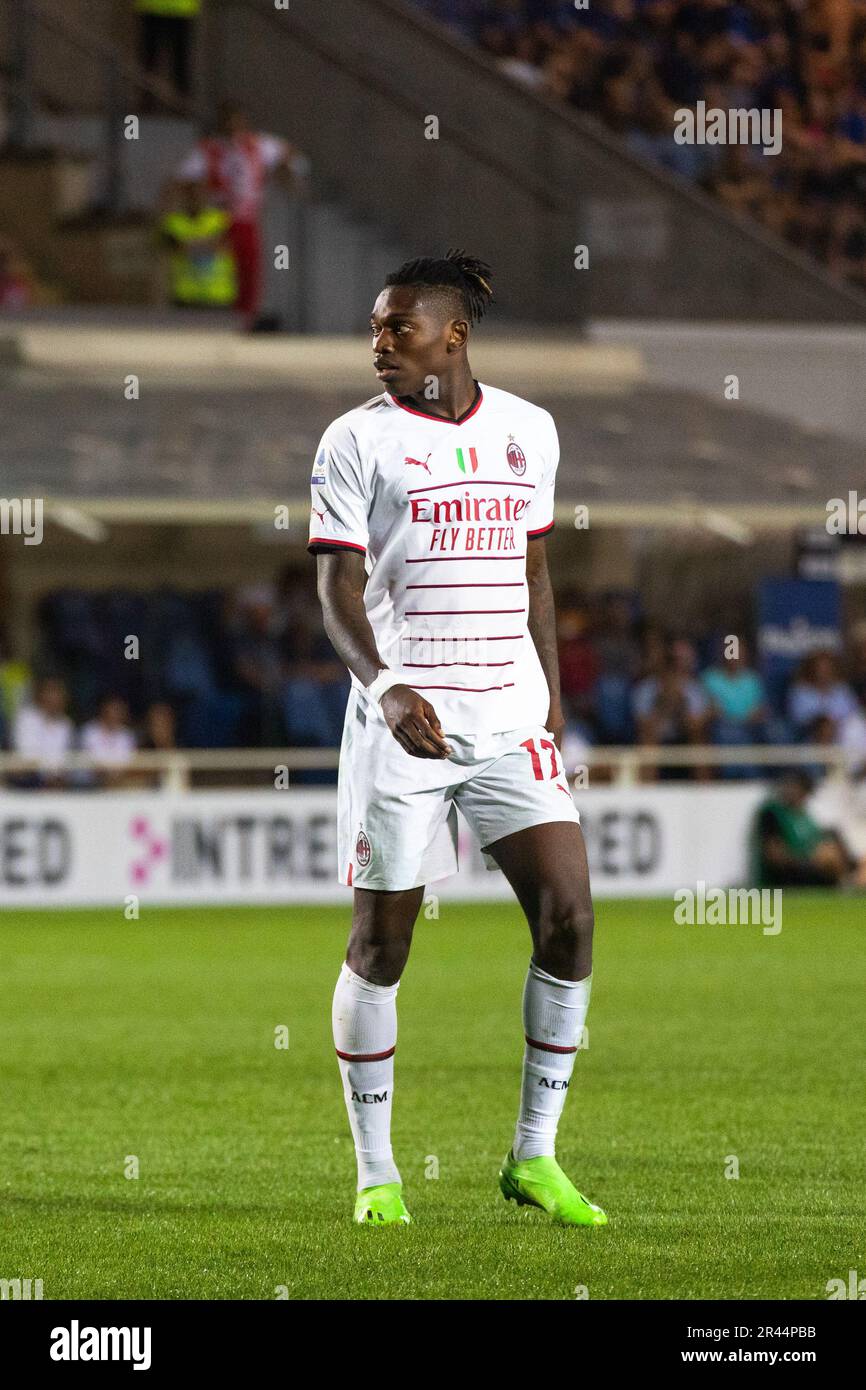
pixel 564 935
pixel 378 960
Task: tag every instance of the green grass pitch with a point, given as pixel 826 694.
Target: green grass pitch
pixel 155 1039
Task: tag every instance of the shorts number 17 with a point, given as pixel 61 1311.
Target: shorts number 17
pixel 537 769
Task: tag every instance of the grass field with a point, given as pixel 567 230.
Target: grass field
pixel 156 1039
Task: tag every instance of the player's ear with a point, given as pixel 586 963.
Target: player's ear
pixel 458 334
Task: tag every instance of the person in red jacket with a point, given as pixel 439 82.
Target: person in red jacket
pixel 235 164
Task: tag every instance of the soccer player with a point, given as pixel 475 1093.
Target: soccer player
pixel 430 507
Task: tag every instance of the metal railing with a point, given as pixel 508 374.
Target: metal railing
pixel 174 770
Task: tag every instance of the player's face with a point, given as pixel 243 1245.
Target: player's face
pixel 412 341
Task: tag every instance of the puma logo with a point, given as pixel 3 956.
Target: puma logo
pixel 321 515
pixel 422 463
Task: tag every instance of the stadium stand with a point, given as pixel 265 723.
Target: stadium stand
pixel 634 63
pixel 661 245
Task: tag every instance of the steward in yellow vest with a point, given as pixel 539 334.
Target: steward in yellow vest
pixel 201 266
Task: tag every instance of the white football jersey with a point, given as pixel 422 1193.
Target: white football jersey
pixel 444 510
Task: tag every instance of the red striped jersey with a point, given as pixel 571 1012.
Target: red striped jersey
pixel 443 511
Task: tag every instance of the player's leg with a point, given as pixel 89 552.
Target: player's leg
pixel 547 868
pixel 396 830
pixel 365 1037
pixel 382 926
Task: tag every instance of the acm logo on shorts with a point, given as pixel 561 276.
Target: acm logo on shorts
pixel 363 852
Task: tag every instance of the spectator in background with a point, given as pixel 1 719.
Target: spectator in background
pixel 42 733
pixel 166 30
pixel 110 741
pixel 819 689
pixel 671 708
pixel 234 165
pixel 160 728
pixel 653 651
pixel 201 264
pixel 578 661
pixel 158 735
pixel 738 707
pixel 791 850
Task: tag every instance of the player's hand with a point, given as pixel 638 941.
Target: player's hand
pixel 556 725
pixel 414 723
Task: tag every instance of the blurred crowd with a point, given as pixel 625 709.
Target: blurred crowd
pixel 114 671
pixel 629 680
pixel 634 63
pixel 249 668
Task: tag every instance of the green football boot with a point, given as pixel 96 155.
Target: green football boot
pixel 540 1182
pixel 381 1206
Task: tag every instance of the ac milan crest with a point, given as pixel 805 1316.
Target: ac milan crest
pixel 516 457
pixel 362 849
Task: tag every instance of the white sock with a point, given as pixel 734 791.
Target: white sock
pixel 364 1018
pixel 553 1017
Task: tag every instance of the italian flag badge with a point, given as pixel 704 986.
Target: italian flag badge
pixel 470 465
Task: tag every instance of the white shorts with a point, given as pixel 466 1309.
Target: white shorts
pixel 397 815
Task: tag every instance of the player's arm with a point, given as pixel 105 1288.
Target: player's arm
pixel 412 719
pixel 541 621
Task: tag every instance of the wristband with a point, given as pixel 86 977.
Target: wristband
pixel 385 679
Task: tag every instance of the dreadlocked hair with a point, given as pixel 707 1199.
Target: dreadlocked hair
pixel 468 276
